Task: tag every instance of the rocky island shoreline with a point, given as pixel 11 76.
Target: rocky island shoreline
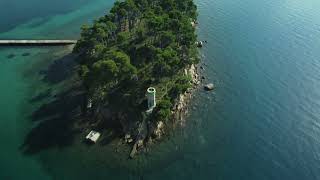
pixel 179 112
pixel 140 45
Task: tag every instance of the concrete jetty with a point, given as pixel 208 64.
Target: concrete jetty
pixel 34 42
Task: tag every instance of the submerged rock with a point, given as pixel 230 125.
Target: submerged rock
pixel 10 56
pixel 26 54
pixel 209 87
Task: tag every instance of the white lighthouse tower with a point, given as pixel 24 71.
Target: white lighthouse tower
pixel 151 96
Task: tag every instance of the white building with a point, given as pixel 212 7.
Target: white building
pixel 151 96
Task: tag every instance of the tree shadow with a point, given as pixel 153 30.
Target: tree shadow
pixel 65 102
pixel 60 122
pixel 41 96
pixel 61 69
pixel 112 130
pixel 55 120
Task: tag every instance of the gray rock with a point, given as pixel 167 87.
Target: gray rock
pixel 199 44
pixel 133 151
pixel 209 87
pixel 139 143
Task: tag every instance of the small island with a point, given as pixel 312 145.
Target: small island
pixel 138 67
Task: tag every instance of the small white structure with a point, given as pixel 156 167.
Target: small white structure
pixel 93 136
pixel 151 96
pixel 89 105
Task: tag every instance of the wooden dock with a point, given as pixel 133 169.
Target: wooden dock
pixel 36 42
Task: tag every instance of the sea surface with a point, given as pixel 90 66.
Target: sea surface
pixel 262 121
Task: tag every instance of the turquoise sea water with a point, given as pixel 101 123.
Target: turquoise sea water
pixel 261 122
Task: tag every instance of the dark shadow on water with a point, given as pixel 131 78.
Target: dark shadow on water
pixel 60 69
pixel 108 139
pixel 55 122
pixel 64 103
pixel 112 130
pixel 88 142
pixel 41 96
pixel 60 122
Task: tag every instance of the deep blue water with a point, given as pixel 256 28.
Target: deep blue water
pixel 265 118
pixel 261 122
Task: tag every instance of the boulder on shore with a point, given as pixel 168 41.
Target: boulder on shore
pixel 209 87
pixel 133 151
pixel 199 44
pixel 159 130
pixel 128 139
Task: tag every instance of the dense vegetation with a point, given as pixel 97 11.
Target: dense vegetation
pixel 140 43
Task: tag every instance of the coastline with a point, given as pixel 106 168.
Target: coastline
pixel 114 122
pixel 179 112
pixel 181 106
pixel 82 123
pixel 138 70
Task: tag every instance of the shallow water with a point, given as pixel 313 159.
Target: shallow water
pixel 20 76
pixel 261 122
